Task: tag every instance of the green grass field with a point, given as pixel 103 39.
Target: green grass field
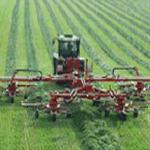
pixel 114 33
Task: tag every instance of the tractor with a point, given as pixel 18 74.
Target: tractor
pixel 68 59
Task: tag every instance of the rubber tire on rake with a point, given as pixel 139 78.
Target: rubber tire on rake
pixel 96 103
pixel 106 113
pixel 122 116
pixel 142 98
pixel 68 115
pixel 53 117
pixel 36 114
pixel 26 96
pixel 135 113
pixel 11 99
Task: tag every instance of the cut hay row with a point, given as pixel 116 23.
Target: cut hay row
pixel 130 7
pixel 123 21
pixel 44 29
pixel 88 49
pixel 95 132
pixel 114 38
pixel 87 129
pixel 53 17
pixel 42 56
pixel 12 128
pixel 12 40
pixel 123 33
pixel 5 17
pixel 128 14
pixel 137 24
pixel 97 37
pixel 30 48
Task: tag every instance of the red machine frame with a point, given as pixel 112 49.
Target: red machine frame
pixel 82 87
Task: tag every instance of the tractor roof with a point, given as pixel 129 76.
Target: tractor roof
pixel 68 37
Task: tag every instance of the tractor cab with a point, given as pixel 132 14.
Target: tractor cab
pixel 68 46
pixel 68 59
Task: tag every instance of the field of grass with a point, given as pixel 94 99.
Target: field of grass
pixel 114 33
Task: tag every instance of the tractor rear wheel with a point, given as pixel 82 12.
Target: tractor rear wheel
pixel 53 117
pixel 122 116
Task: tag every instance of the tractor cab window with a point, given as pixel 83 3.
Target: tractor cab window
pixel 68 49
pixel 72 46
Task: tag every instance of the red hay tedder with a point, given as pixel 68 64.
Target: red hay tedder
pixel 71 69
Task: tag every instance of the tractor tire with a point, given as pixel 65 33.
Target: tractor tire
pixel 106 113
pixel 135 113
pixel 68 115
pixel 36 115
pixel 54 118
pixel 122 116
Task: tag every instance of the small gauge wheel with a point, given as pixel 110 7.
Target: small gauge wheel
pixel 106 112
pixel 68 115
pixel 11 99
pixel 122 116
pixel 135 113
pixel 53 117
pixel 36 114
